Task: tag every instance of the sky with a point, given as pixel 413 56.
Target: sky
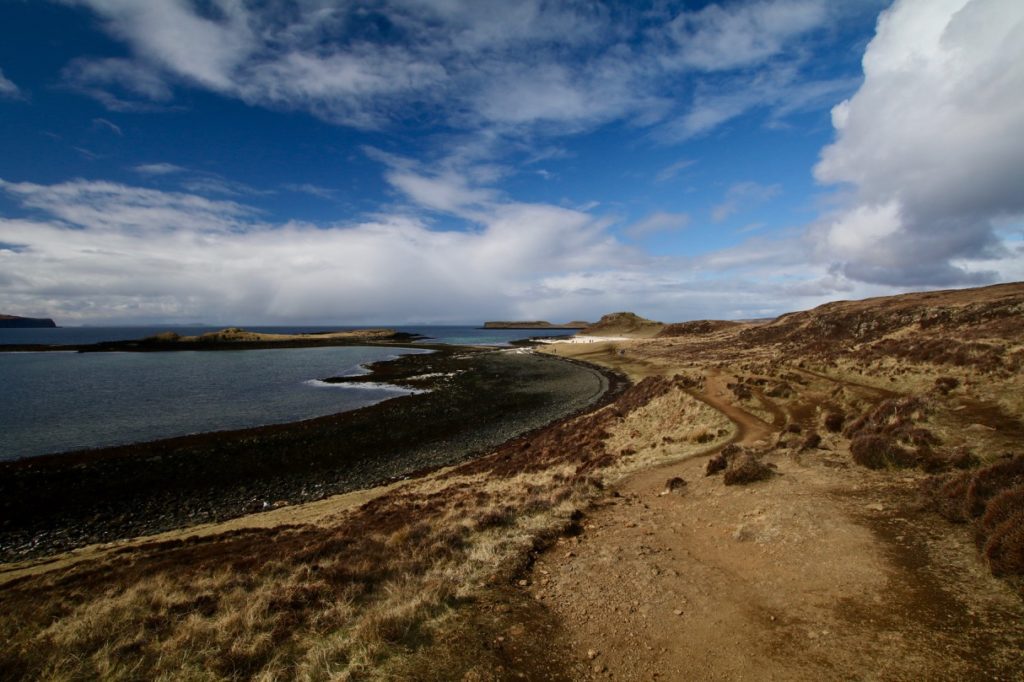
pixel 455 161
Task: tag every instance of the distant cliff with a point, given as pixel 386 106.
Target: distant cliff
pixel 9 321
pixel 535 324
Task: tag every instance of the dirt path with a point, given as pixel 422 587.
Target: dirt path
pixel 750 429
pixel 823 572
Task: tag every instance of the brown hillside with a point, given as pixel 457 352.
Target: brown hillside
pixel 696 327
pixel 624 324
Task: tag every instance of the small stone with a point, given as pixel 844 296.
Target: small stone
pixel 875 506
pixel 599 668
pixel 524 583
pixel 592 654
pixel 678 612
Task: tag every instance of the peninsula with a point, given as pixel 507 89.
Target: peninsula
pixel 233 338
pixel 14 322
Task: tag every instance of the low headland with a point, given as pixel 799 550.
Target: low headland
pixel 834 494
pixel 231 338
pixel 535 324
pixel 15 322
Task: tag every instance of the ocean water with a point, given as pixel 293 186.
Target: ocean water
pixel 465 335
pixel 55 402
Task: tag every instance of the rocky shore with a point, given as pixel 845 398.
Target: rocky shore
pixel 476 400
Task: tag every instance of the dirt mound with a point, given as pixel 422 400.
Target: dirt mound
pixel 624 323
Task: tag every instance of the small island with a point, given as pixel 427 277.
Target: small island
pixel 535 324
pixel 236 338
pixel 15 322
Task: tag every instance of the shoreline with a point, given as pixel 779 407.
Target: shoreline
pixel 114 493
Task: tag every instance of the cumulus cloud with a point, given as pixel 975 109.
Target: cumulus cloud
pixel 930 146
pixel 101 251
pixel 120 251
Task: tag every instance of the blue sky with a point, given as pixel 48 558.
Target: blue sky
pixel 408 161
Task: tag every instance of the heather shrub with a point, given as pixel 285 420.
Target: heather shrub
pixel 946 384
pixel 993 496
pixel 1002 507
pixel 879 452
pixel 746 468
pixel 720 461
pixel 989 481
pixel 1004 548
pixel 947 494
pixel 811 441
pixel 834 421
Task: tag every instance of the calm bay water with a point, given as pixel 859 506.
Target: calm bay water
pixel 55 402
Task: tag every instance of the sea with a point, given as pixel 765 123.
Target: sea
pixel 53 402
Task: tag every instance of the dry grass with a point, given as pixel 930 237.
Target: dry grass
pixel 666 429
pixel 357 597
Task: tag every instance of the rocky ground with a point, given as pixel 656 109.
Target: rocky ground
pixel 837 565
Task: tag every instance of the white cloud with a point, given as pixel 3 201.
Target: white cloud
pixel 109 125
pixel 740 195
pixel 119 84
pixel 161 168
pixel 659 221
pixel 931 144
pixel 8 88
pixel 670 171
pixel 109 252
pixel 105 207
pixel 462 63
pixel 718 38
pixel 780 90
pixel 312 190
pixel 449 192
pixel 108 249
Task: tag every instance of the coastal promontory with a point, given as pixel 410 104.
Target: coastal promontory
pixel 13 321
